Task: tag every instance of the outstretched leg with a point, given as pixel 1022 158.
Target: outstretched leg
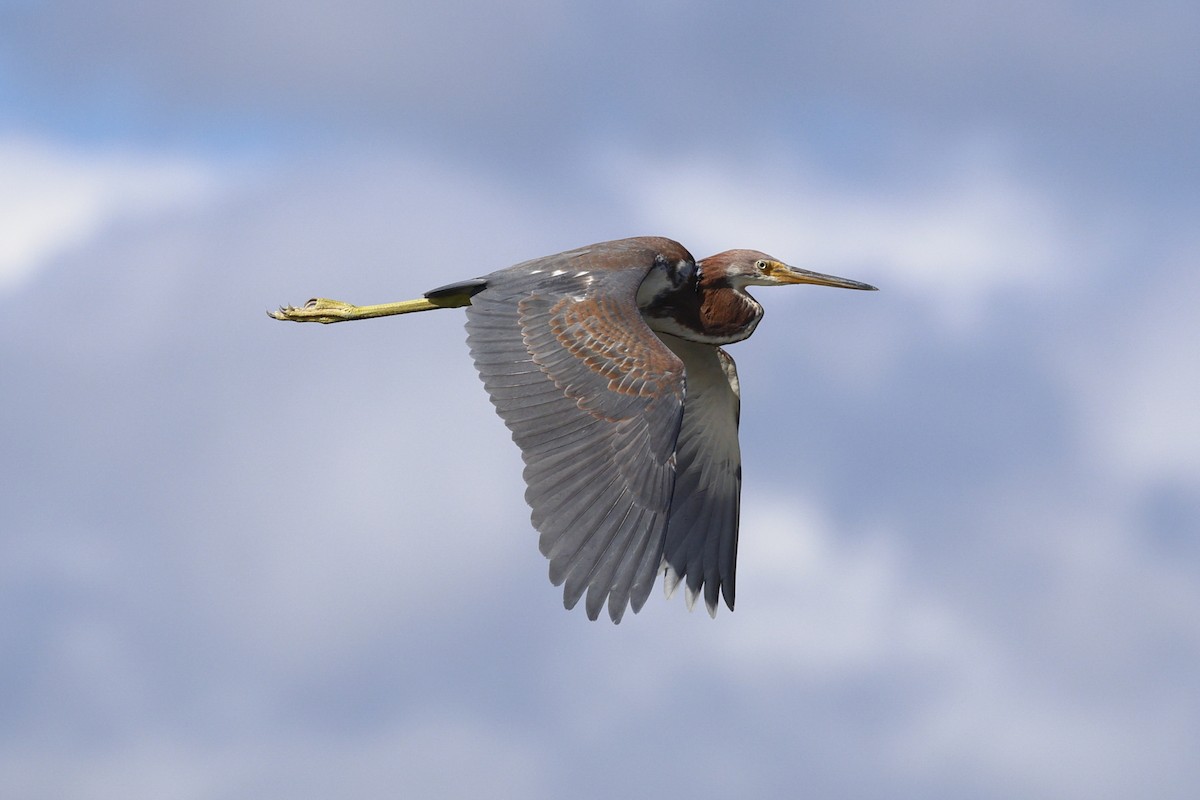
pixel 325 311
pixel 454 295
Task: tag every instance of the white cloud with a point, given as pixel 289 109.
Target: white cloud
pixel 1135 377
pixel 826 603
pixel 457 755
pixel 53 198
pixel 1006 697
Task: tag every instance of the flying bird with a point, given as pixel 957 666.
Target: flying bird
pixel 605 363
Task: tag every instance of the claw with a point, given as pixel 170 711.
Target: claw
pixel 284 313
pixel 316 310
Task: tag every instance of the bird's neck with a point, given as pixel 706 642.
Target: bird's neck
pixel 716 313
pixel 728 314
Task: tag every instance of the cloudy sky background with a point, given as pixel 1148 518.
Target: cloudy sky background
pixel 247 559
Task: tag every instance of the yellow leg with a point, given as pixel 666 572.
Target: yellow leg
pixel 325 311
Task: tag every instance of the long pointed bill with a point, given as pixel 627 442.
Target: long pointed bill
pixel 785 274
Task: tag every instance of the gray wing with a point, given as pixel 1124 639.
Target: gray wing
pixel 701 545
pixel 594 400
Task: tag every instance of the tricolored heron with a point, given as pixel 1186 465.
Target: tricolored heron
pixel 605 364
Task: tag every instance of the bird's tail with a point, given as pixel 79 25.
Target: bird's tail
pixel 455 295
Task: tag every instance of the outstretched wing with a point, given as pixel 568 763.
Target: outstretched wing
pixel 701 545
pixel 594 400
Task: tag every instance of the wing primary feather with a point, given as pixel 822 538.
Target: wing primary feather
pixel 562 532
pixel 581 570
pixel 701 540
pixel 633 570
pixel 605 577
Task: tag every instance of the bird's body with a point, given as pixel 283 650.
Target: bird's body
pixel 605 364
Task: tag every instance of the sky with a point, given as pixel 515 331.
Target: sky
pixel 246 559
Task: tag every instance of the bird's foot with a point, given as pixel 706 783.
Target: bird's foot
pixel 317 309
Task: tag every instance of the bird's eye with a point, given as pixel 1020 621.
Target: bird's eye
pixel 761 266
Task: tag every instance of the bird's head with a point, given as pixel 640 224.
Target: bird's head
pixel 741 268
